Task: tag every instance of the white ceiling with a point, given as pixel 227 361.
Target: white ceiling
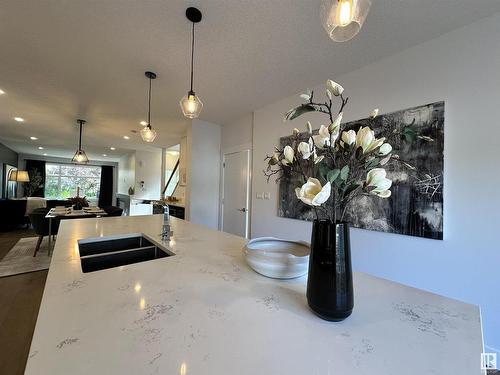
pixel 62 60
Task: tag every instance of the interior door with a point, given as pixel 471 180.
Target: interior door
pixel 236 194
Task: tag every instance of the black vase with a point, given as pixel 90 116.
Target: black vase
pixel 329 283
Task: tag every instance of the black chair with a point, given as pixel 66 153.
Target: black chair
pixel 113 211
pixel 12 213
pixel 41 225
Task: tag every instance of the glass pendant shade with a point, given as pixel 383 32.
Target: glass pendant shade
pixel 191 105
pixel 343 19
pixel 148 134
pixel 80 157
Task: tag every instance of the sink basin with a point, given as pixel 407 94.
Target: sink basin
pixel 108 252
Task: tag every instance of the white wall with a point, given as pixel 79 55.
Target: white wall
pixel 148 169
pixel 203 173
pixel 126 173
pixel 237 133
pixel 463 69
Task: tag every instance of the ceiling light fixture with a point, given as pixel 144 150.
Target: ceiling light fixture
pixel 343 19
pixel 19 119
pixel 112 148
pixel 44 154
pixel 80 156
pixel 143 123
pixel 148 134
pixel 2 92
pixel 33 138
pixel 104 155
pixel 40 147
pixel 191 105
pixel 126 137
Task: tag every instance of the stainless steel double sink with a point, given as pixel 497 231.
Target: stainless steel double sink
pixel 114 251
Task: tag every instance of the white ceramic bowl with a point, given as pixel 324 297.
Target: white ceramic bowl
pixel 277 258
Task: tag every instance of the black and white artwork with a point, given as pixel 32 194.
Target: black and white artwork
pixel 415 207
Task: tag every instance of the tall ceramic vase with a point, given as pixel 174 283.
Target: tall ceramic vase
pixel 329 284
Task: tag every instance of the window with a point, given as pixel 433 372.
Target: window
pixel 62 181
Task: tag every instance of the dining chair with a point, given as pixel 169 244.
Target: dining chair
pixel 41 225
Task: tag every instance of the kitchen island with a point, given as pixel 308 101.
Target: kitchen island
pixel 204 311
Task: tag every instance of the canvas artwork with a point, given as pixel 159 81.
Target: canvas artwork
pixel 415 207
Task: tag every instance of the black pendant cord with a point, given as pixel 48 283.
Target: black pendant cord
pixel 80 139
pixel 149 105
pixel 192 58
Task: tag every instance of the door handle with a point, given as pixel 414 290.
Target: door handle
pixel 242 209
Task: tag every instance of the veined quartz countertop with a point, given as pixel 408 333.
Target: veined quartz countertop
pixel 204 311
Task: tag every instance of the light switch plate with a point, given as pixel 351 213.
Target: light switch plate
pixel 267 195
pixel 259 195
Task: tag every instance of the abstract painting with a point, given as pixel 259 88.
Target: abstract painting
pixel 415 207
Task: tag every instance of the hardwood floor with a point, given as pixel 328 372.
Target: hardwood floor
pixel 20 298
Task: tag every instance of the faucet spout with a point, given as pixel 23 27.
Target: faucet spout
pixel 166 232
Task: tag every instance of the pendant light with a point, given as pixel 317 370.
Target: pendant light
pixel 191 105
pixel 80 155
pixel 343 19
pixel 148 134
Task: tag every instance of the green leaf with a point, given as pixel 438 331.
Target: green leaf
pixel 372 163
pixel 299 111
pixel 409 134
pixel 323 171
pixel 332 175
pixel 344 172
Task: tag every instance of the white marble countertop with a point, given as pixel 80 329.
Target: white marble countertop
pixel 204 311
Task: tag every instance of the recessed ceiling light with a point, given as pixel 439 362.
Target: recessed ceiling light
pixel 44 154
pixel 104 154
pixel 33 138
pixel 2 92
pixel 40 147
pixel 19 119
pixel 143 123
pixel 126 137
pixel 112 148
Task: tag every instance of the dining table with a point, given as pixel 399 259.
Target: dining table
pixel 71 213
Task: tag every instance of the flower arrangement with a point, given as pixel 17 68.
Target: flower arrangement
pixel 349 163
pixel 79 202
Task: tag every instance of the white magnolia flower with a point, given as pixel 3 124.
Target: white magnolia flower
pixel 349 137
pixel 309 127
pixel 289 155
pixel 334 128
pixel 312 193
pixel 334 87
pixel 323 138
pixel 384 149
pixel 366 140
pixel 374 113
pixel 296 131
pixel 379 184
pixel 305 149
pixel 274 159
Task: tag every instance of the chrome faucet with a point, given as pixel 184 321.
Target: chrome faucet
pixel 166 232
